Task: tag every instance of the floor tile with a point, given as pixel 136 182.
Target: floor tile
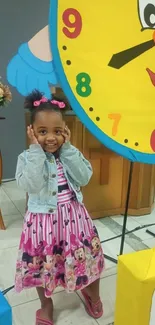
pixel 24 314
pixel 9 185
pixel 8 208
pixel 6 205
pixel 16 299
pixel 7 275
pixel 108 296
pixel 10 237
pixel 143 235
pixel 25 296
pixel 105 233
pixel 7 267
pixel 131 239
pixel 112 248
pixel 12 221
pixel 3 196
pixel 98 223
pixel 13 191
pixel 69 310
pixel 131 223
pixel 147 219
pixel 150 242
pixel 20 205
pixel 110 269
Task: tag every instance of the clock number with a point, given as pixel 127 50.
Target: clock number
pixel 75 25
pixel 83 84
pixel 116 118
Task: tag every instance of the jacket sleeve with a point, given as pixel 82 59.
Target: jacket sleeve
pixel 76 165
pixel 29 171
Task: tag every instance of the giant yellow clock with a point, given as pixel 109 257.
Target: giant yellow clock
pixel 104 54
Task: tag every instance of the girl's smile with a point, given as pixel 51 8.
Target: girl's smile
pixel 48 128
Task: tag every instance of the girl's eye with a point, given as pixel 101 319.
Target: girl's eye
pixel 43 132
pixel 58 132
pixel 147 13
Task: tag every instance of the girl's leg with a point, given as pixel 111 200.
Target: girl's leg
pixel 46 305
pixel 93 292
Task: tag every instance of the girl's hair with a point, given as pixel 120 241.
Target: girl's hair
pixel 36 102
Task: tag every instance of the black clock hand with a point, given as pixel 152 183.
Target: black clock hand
pixel 118 60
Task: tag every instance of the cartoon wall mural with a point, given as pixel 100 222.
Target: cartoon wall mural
pixel 104 61
pixel 32 67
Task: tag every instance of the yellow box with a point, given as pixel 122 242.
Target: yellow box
pixel 135 303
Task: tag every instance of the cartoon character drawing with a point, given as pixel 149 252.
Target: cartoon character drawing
pixel 50 262
pixel 32 67
pixel 106 69
pixel 35 264
pixel 96 245
pixel 79 254
pixel 81 274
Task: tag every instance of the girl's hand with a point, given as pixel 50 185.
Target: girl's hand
pixel 31 136
pixel 66 134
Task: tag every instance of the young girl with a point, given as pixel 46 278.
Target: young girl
pixel 59 244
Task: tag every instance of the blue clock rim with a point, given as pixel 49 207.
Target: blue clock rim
pixel 108 142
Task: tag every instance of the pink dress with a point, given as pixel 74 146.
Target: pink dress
pixel 59 249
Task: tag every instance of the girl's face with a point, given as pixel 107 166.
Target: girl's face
pixel 48 128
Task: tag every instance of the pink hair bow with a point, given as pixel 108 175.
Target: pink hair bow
pixel 42 100
pixel 59 104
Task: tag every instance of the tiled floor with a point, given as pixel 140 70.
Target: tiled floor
pixel 69 309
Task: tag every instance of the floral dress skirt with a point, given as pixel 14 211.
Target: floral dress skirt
pixel 61 248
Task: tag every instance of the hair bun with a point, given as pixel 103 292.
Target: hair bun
pixel 31 98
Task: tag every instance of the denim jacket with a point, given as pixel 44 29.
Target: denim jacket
pixel 36 174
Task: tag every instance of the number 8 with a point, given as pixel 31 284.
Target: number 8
pixel 83 84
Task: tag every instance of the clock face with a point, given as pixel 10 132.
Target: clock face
pixel 104 54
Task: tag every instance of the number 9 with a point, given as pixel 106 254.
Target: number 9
pixel 77 24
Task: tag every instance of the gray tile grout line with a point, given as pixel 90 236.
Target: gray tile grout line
pixel 116 228
pixel 23 303
pixel 31 300
pixel 26 302
pixel 2 249
pixel 12 202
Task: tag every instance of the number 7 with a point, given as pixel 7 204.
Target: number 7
pixel 116 118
